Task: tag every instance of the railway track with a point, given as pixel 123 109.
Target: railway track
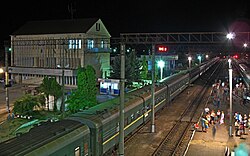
pixel 170 145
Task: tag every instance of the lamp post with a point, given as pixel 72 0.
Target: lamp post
pixel 245 45
pixel 230 95
pixel 153 91
pixel 199 58
pixel 206 56
pixel 161 64
pixel 189 61
pixel 7 80
pixel 230 36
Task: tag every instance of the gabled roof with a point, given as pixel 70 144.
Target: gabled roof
pixel 56 26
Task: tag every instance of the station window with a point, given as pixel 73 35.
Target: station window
pixel 102 44
pixel 75 44
pixel 90 43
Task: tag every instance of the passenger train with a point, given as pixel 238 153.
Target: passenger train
pixel 95 131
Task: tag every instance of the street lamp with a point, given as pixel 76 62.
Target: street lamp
pixel 245 45
pixel 161 64
pixel 231 36
pixel 230 95
pixel 206 56
pixel 199 58
pixel 7 49
pixel 189 61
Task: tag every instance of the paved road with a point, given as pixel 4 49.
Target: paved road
pixel 15 92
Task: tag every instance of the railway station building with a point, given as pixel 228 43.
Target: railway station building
pixel 57 47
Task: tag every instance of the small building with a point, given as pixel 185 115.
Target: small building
pixel 109 86
pixel 58 47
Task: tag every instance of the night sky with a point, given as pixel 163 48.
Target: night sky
pixel 132 16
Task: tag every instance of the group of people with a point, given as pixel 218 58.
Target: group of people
pixel 211 118
pixel 241 123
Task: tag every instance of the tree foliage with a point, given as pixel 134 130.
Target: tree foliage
pixel 144 69
pixel 132 68
pixel 85 95
pixel 50 86
pixel 26 104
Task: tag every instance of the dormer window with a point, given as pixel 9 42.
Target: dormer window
pixel 97 26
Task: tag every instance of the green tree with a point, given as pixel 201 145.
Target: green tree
pixel 51 87
pixel 26 104
pixel 132 67
pixel 85 95
pixel 144 69
pixel 135 66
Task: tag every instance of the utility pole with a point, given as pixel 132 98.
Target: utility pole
pixel 63 81
pixel 6 47
pixel 230 70
pixel 153 91
pixel 121 124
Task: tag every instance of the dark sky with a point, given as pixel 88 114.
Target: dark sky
pixel 131 16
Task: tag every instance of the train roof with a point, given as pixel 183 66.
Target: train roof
pixel 37 137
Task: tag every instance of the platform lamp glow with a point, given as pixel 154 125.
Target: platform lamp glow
pixel 189 61
pixel 230 94
pixel 230 36
pixel 161 64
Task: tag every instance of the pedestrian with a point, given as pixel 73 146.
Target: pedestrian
pixel 237 127
pixel 248 122
pixel 222 117
pixel 212 116
pixel 218 114
pixel 245 124
pixel 206 110
pixel 203 119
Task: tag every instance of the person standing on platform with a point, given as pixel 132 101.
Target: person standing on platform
pixel 218 114
pixel 222 117
pixel 203 127
pixel 237 127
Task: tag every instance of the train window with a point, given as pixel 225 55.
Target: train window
pixel 132 116
pixel 138 112
pixel 117 127
pixel 77 151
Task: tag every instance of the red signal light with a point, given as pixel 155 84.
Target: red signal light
pixel 162 48
pixel 236 56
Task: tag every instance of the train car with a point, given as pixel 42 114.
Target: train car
pixel 65 137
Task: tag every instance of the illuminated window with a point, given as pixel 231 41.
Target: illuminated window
pixel 102 44
pixel 75 44
pixel 90 44
pixel 115 86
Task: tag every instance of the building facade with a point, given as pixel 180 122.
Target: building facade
pixel 58 47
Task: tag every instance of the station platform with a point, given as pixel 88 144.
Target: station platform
pixel 204 144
